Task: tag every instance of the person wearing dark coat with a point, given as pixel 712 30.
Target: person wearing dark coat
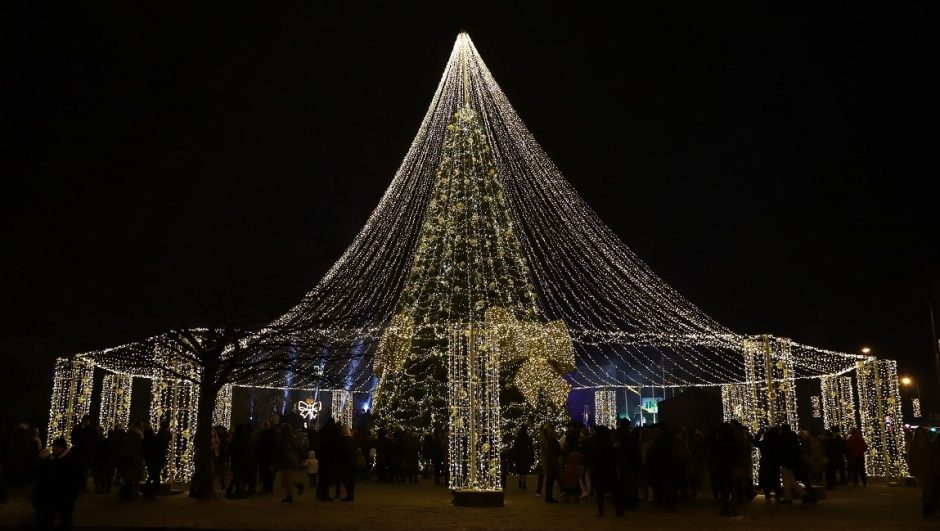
pixel 346 462
pixel 131 461
pixel 550 457
pixel 629 463
pixel 523 455
pixel 151 454
pixel 768 474
pixel 603 467
pixel 326 448
pixel 724 452
pixel 437 455
pixel 663 466
pixel 839 455
pixel 103 471
pixel 58 482
pixel 267 442
pixel 244 461
pixel 855 448
pixel 84 446
pixel 427 448
pixel 287 460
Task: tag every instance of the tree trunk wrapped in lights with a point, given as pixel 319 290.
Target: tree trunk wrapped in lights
pixel 473 402
pixel 115 410
pixel 222 413
pixel 71 395
pixel 879 407
pixel 176 401
pixel 838 403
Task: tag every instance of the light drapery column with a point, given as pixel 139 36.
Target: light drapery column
pixel 838 403
pixel 116 391
pixel 880 412
pixel 769 369
pixel 473 400
pixel 341 402
pixel 72 385
pixel 175 400
pixel 605 408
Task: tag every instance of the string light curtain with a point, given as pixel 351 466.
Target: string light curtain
pixel 616 310
pixel 72 385
pixel 473 364
pixel 605 408
pixel 879 407
pixel 838 403
pixel 770 372
pixel 115 408
pixel 175 401
pixel 341 403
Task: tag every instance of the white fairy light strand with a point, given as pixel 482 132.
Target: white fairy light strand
pixel 880 413
pixel 222 412
pixel 605 408
pixel 115 408
pixel 474 442
pixel 71 396
pixel 618 313
pixel 838 402
pixel 341 407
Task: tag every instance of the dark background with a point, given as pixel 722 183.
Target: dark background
pixel 773 163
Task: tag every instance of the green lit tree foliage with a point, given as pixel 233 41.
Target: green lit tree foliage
pixel 468 258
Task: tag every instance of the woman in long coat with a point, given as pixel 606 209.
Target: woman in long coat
pixel 287 460
pixel 523 455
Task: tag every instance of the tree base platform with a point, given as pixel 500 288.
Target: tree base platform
pixel 478 498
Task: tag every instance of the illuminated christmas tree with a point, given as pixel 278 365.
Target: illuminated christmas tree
pixel 467 260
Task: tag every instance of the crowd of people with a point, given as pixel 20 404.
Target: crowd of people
pixel 665 465
pixel 658 464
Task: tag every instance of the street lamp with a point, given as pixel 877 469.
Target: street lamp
pixel 907 381
pixel 865 350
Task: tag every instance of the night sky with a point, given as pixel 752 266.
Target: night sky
pixel 775 164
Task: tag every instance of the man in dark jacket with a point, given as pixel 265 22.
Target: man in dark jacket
pixel 346 462
pixel 267 442
pixel 58 481
pixel 550 457
pixel 326 448
pixel 244 461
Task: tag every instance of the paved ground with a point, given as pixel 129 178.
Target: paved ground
pixel 424 506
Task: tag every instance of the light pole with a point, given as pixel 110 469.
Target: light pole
pixel 907 381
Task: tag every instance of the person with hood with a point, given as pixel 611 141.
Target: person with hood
pixel 58 481
pixel 287 460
